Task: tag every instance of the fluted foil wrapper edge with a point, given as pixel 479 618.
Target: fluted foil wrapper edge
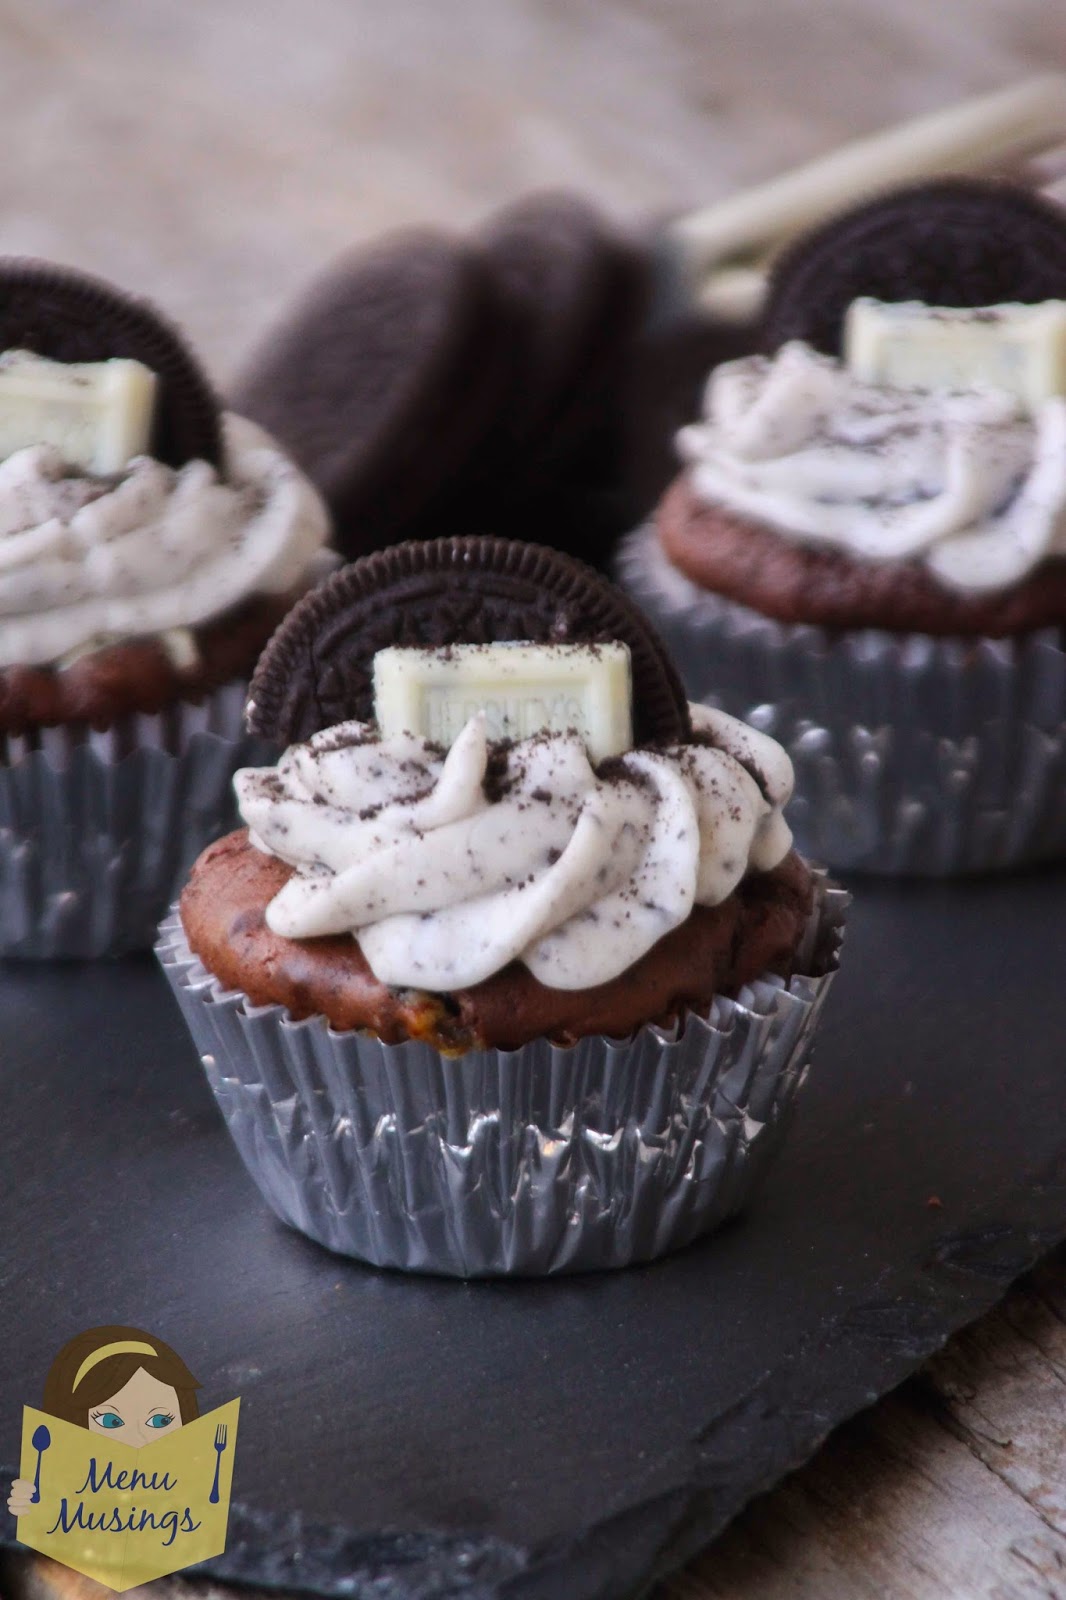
pixel 98 829
pixel 529 1162
pixel 914 755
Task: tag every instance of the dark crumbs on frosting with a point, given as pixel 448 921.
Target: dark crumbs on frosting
pixel 317 670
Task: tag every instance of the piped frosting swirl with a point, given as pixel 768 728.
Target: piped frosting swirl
pixel 86 559
pixel 448 866
pixel 962 481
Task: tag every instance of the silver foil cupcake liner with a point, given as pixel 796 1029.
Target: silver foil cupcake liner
pixel 528 1162
pixel 914 755
pixel 98 829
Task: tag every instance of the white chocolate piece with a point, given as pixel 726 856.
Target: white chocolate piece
pixel 521 688
pixel 97 414
pixel 908 345
pixel 978 135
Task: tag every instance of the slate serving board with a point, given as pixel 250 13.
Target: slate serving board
pixel 556 1441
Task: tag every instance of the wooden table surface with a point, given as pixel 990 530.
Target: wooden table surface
pixel 213 154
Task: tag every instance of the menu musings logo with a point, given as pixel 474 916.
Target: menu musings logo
pixel 121 1478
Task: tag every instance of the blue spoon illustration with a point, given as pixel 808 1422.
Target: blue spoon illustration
pixel 40 1442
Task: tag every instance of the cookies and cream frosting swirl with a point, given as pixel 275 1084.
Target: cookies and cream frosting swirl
pixel 448 866
pixel 87 560
pixel 963 480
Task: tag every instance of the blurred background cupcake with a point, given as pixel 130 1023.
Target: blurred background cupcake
pixel 150 547
pixel 531 375
pixel 865 551
pixel 514 970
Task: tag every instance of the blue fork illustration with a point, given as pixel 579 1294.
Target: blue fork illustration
pixel 220 1445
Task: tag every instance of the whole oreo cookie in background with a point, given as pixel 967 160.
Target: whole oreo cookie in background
pixel 432 388
pixel 552 467
pixel 948 242
pixel 552 262
pixel 590 422
pixel 67 315
pixel 318 668
pixel 384 380
pixel 576 290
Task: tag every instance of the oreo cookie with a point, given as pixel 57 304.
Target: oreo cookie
pixel 573 294
pixel 384 380
pixel 591 412
pixel 317 670
pixel 553 264
pixel 576 292
pixel 949 242
pixel 432 388
pixel 66 315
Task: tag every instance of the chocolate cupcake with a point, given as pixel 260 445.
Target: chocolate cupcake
pixel 864 553
pixel 149 546
pixel 513 969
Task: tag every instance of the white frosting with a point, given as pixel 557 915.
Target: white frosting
pixel 85 560
pixel 574 871
pixel 963 481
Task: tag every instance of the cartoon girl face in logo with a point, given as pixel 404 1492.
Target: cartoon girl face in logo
pixel 121 1382
pixel 117 1381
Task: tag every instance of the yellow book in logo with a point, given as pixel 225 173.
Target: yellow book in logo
pixel 123 1515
